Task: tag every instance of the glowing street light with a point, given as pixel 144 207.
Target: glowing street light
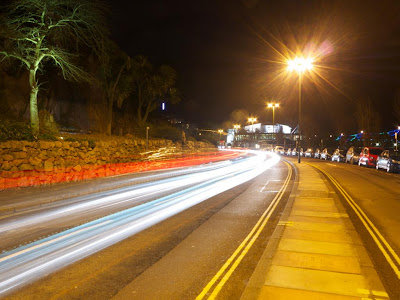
pixel 220 131
pixel 396 134
pixel 362 136
pixel 236 126
pixel 273 106
pixel 252 120
pixel 300 65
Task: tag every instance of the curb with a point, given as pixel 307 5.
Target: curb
pixel 257 279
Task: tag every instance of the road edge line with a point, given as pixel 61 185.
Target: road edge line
pixel 369 226
pixel 257 279
pixel 243 244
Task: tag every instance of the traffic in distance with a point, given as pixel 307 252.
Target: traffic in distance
pixel 374 157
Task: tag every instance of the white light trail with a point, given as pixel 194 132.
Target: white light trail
pixel 29 263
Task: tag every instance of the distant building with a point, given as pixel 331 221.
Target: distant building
pixel 261 135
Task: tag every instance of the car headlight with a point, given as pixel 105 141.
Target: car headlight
pixel 396 161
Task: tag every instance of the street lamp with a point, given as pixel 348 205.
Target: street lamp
pixel 236 128
pixel 220 131
pixel 147 138
pixel 273 106
pixel 252 120
pixel 300 65
pixel 395 135
pixel 362 137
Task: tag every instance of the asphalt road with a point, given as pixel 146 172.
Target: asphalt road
pixel 42 211
pixel 377 193
pixel 185 250
pixel 177 258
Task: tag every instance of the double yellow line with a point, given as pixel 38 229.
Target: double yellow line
pixel 245 246
pixel 388 252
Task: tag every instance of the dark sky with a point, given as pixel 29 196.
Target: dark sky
pixel 222 51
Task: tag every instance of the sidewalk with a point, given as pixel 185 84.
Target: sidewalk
pixel 316 253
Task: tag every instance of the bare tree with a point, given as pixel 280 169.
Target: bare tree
pixel 396 108
pixel 39 31
pixel 368 118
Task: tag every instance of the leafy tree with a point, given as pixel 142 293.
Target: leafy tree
pixel 37 32
pixel 152 85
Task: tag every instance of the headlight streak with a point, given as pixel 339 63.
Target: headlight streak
pixel 32 261
pixel 112 198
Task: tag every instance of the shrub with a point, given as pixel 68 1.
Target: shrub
pixel 15 130
pixel 47 123
pixel 92 143
pixel 47 137
pixel 166 131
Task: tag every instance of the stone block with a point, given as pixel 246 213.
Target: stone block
pixel 20 154
pixel 26 167
pixel 48 166
pixel 6 165
pixel 7 157
pixel 16 162
pixel 46 145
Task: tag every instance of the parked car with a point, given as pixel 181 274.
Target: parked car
pixel 279 149
pixel 389 160
pixel 288 151
pixel 369 156
pixel 301 152
pixel 338 155
pixel 326 154
pixel 317 153
pixel 353 155
pixel 294 151
pixel 308 153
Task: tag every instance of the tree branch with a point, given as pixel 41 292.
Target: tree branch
pixel 26 62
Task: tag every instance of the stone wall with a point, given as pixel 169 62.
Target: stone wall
pixel 24 163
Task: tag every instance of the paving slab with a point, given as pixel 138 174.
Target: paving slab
pixel 318 254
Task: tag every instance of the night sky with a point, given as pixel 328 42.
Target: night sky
pixel 224 54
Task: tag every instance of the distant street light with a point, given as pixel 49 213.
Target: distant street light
pixel 362 137
pixel 273 106
pixel 252 120
pixel 300 65
pixel 236 128
pixel 220 131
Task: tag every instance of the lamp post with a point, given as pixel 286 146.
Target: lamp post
pixel 362 137
pixel 395 135
pixel 273 106
pixel 236 128
pixel 220 131
pixel 252 120
pixel 300 65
